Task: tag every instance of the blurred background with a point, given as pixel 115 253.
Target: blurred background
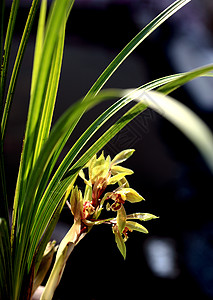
pixel 176 258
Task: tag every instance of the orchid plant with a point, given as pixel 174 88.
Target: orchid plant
pixel 42 187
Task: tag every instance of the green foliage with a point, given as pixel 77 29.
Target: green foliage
pixel 6 276
pixel 41 192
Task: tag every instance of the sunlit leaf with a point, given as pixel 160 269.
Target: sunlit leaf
pixel 184 119
pixel 6 282
pixel 135 42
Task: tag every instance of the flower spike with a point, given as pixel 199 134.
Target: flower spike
pixel 87 207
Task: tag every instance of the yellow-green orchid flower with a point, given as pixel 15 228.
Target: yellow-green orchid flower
pixel 87 207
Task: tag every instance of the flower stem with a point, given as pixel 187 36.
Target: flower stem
pixel 66 247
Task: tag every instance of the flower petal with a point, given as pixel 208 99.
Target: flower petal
pixel 122 156
pixel 123 182
pixel 74 200
pixel 116 178
pixel 118 169
pixel 82 175
pixel 136 226
pixel 142 216
pixel 132 196
pixel 99 168
pixel 119 241
pixel 121 219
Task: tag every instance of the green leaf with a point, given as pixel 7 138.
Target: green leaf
pixel 7 48
pixel 23 206
pixel 54 32
pixel 37 56
pixel 39 44
pixel 6 277
pixel 17 64
pixel 178 81
pixel 2 14
pixel 46 236
pixel 134 43
pixel 184 119
pixel 4 208
pixel 136 226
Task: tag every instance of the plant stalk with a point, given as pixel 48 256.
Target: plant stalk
pixel 67 245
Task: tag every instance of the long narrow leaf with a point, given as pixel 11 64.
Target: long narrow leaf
pixel 17 65
pixel 186 77
pixel 135 42
pixel 37 56
pixel 184 119
pixel 55 25
pixel 6 279
pixel 7 47
pixel 51 93
pixel 4 209
pixel 39 44
pixel 2 9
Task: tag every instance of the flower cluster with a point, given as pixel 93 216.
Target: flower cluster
pixel 97 175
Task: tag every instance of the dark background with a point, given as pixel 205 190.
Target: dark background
pixel 176 258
